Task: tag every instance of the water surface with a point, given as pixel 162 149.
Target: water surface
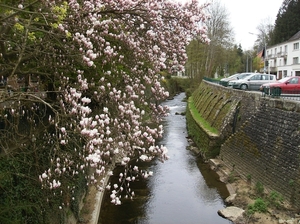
pixel 183 189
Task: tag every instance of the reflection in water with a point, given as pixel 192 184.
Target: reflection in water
pixel 182 190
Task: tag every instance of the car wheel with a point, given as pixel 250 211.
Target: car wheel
pixel 244 87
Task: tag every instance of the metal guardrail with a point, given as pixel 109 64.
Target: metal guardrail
pixel 276 92
pixel 272 92
pixel 223 83
pixel 211 80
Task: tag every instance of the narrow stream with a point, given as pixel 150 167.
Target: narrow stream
pixel 183 190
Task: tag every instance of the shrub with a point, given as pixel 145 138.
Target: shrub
pixel 249 177
pixel 275 199
pixel 259 188
pixel 259 206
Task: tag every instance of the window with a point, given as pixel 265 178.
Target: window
pixel 296 46
pixel 295 60
pixel 294 80
pixel 267 77
pixel 285 49
pixel 256 77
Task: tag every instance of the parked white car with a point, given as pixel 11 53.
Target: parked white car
pixel 232 78
pixel 253 82
pixel 225 81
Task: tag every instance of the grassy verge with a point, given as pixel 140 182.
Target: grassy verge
pixel 197 116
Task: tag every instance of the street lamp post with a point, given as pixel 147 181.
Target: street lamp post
pixel 264 55
pixel 247 64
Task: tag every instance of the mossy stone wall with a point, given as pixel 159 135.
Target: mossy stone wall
pixel 207 143
pixel 222 110
pixel 259 136
pixel 267 149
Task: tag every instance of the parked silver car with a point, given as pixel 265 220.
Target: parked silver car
pixel 226 81
pixel 253 82
pixel 241 76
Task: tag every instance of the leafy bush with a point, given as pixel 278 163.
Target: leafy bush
pixel 175 85
pixel 275 199
pixel 249 177
pixel 259 188
pixel 259 206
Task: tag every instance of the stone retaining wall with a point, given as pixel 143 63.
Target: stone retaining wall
pixel 266 149
pixel 260 136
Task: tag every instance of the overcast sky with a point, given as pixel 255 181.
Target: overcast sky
pixel 246 15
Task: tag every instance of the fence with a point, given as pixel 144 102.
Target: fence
pixel 277 92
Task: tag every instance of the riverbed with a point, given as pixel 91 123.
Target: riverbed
pixel 183 189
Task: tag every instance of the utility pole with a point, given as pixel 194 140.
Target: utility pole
pixel 247 64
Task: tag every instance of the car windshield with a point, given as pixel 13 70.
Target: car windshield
pixel 233 76
pixel 242 76
pixel 284 79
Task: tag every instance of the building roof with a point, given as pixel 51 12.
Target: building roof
pixel 295 37
pixel 260 54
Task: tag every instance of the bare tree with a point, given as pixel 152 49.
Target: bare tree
pixel 264 30
pixel 206 60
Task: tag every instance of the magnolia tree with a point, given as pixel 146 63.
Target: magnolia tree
pixel 99 64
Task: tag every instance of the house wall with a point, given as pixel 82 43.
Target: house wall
pixel 281 59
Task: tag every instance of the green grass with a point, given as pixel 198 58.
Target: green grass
pixel 197 116
pixel 274 199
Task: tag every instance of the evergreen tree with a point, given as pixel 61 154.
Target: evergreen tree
pixel 287 22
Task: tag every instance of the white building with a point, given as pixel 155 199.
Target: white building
pixel 283 58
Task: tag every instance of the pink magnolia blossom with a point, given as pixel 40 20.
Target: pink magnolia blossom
pixel 122 46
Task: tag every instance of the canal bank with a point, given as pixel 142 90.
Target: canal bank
pixel 205 174
pixel 243 194
pixel 243 190
pixel 258 141
pixel 257 137
pixel 90 205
